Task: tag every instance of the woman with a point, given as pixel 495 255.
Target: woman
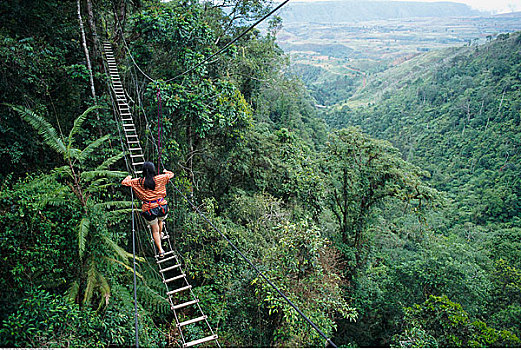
pixel 152 191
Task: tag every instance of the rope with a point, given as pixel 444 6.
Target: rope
pixel 134 268
pixel 255 267
pixel 159 114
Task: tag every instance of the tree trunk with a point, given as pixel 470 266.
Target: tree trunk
pixel 92 25
pixel 87 57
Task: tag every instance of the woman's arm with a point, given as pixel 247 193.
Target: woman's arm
pixel 168 173
pixel 127 181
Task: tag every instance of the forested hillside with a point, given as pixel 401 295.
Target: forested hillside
pixel 456 114
pixel 412 242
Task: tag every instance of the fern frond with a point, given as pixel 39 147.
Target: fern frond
pixel 89 175
pixel 78 123
pixel 98 185
pixel 73 153
pixel 73 291
pixel 126 266
pixel 42 127
pixel 82 235
pixel 104 289
pixel 108 162
pixel 112 204
pixel 117 249
pixel 118 215
pixel 81 156
pixel 92 281
pixel 61 171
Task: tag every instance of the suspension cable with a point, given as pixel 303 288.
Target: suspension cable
pixel 329 341
pixel 159 116
pixel 134 268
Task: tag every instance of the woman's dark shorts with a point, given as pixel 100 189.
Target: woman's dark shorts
pixel 158 213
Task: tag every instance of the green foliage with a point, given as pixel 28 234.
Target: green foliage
pixel 82 190
pixel 303 263
pixel 450 326
pixel 46 320
pixel 360 174
pixel 459 120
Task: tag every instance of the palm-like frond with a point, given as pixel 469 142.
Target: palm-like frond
pixel 72 153
pixel 78 123
pixel 104 289
pixel 119 215
pixel 112 204
pixel 63 170
pixel 81 156
pixel 108 162
pixel 72 292
pixel 57 198
pixel 117 249
pixel 83 231
pixel 98 185
pixel 90 175
pixel 127 266
pixel 92 281
pixel 43 128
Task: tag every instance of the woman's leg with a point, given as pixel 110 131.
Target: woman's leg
pixel 156 236
pixel 160 228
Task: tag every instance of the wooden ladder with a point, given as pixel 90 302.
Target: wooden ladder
pixel 182 299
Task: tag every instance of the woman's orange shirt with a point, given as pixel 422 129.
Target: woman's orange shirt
pixel 146 195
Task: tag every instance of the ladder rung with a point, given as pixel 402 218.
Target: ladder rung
pixel 138 163
pixel 188 303
pixel 139 171
pixel 135 149
pixel 174 278
pixel 166 259
pixel 198 319
pixel 170 267
pixel 200 341
pixel 134 136
pixel 129 141
pixel 179 290
pixel 136 155
pixel 166 253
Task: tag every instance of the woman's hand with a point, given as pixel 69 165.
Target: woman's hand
pixel 126 181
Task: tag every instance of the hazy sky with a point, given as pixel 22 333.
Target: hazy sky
pixel 495 6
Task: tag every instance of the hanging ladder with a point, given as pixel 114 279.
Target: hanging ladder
pixel 183 302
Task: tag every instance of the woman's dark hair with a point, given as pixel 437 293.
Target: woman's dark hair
pixel 149 171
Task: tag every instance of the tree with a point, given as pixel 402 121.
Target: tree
pixel 446 324
pixel 360 174
pixel 82 189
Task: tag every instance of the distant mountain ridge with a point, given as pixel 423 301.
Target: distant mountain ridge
pixel 357 11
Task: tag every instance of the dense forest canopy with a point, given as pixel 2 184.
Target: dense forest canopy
pixel 395 223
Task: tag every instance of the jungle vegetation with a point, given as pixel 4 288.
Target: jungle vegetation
pixel 392 224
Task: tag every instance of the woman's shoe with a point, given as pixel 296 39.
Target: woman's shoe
pixel 161 255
